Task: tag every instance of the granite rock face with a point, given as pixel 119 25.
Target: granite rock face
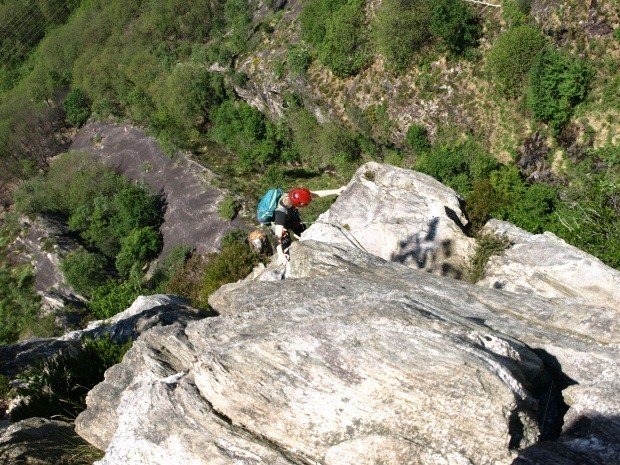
pixel 359 357
pixel 357 360
pixel 399 215
pixel 545 265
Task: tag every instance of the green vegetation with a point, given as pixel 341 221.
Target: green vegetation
pixel 77 107
pixel 58 385
pixel 412 21
pixel 19 304
pixel 557 83
pixel 228 208
pixel 511 58
pixel 456 25
pixel 487 245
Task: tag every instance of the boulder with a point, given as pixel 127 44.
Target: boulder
pixel 545 265
pixel 358 360
pixel 38 441
pixel 145 313
pixel 399 215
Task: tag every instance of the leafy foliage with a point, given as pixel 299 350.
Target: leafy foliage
pixel 412 21
pixel 58 386
pixel 77 107
pixel 417 139
pixel 511 58
pixel 228 208
pixel 140 245
pixel 19 303
pixel 314 17
pixel 84 271
pixel 113 297
pixel 456 25
pixel 457 164
pixel 515 12
pixel 234 262
pixel 487 245
pixel 346 48
pixel 557 83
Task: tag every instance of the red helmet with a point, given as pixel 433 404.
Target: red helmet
pixel 300 197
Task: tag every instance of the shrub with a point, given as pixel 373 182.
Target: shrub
pixel 515 12
pixel 234 262
pixel 412 21
pixel 187 280
pixel 228 208
pixel 112 297
pixel 58 386
pixel 299 59
pixel 346 49
pixel 19 303
pixel 557 83
pixel 455 24
pixel 457 164
pixel 314 16
pixel 512 56
pixel 84 271
pixel 139 245
pixel 77 107
pixel 417 139
pixel 487 246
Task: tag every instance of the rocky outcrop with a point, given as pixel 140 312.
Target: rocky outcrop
pixel 356 363
pixel 37 441
pixel 545 265
pixel 192 200
pixel 145 313
pixel 43 242
pixel 358 358
pixel 399 215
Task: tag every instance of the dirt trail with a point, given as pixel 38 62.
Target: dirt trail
pixel 191 215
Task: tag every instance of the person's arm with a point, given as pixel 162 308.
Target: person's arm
pixel 279 233
pixel 327 192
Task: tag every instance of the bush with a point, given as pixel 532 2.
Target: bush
pixel 299 59
pixel 412 21
pixel 77 107
pixel 346 49
pixel 455 24
pixel 140 245
pixel 515 12
pixel 457 164
pixel 19 303
pixel 84 271
pixel 112 297
pixel 59 385
pixel 233 263
pixel 487 246
pixel 511 58
pixel 228 208
pixel 313 19
pixel 417 139
pixel 557 83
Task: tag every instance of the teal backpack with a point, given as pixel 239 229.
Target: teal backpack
pixel 267 206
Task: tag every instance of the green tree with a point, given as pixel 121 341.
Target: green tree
pixel 557 83
pixel 139 245
pixel 511 58
pixel 412 21
pixel 77 107
pixel 84 271
pixel 346 47
pixel 456 25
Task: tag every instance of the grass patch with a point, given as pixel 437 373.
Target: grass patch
pixel 487 245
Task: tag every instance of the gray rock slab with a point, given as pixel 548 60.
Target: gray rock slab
pixel 191 216
pixel 399 215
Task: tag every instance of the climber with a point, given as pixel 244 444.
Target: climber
pixel 287 219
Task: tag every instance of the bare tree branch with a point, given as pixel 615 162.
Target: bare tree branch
pixel 484 3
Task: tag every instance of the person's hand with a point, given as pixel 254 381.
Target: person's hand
pixel 283 258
